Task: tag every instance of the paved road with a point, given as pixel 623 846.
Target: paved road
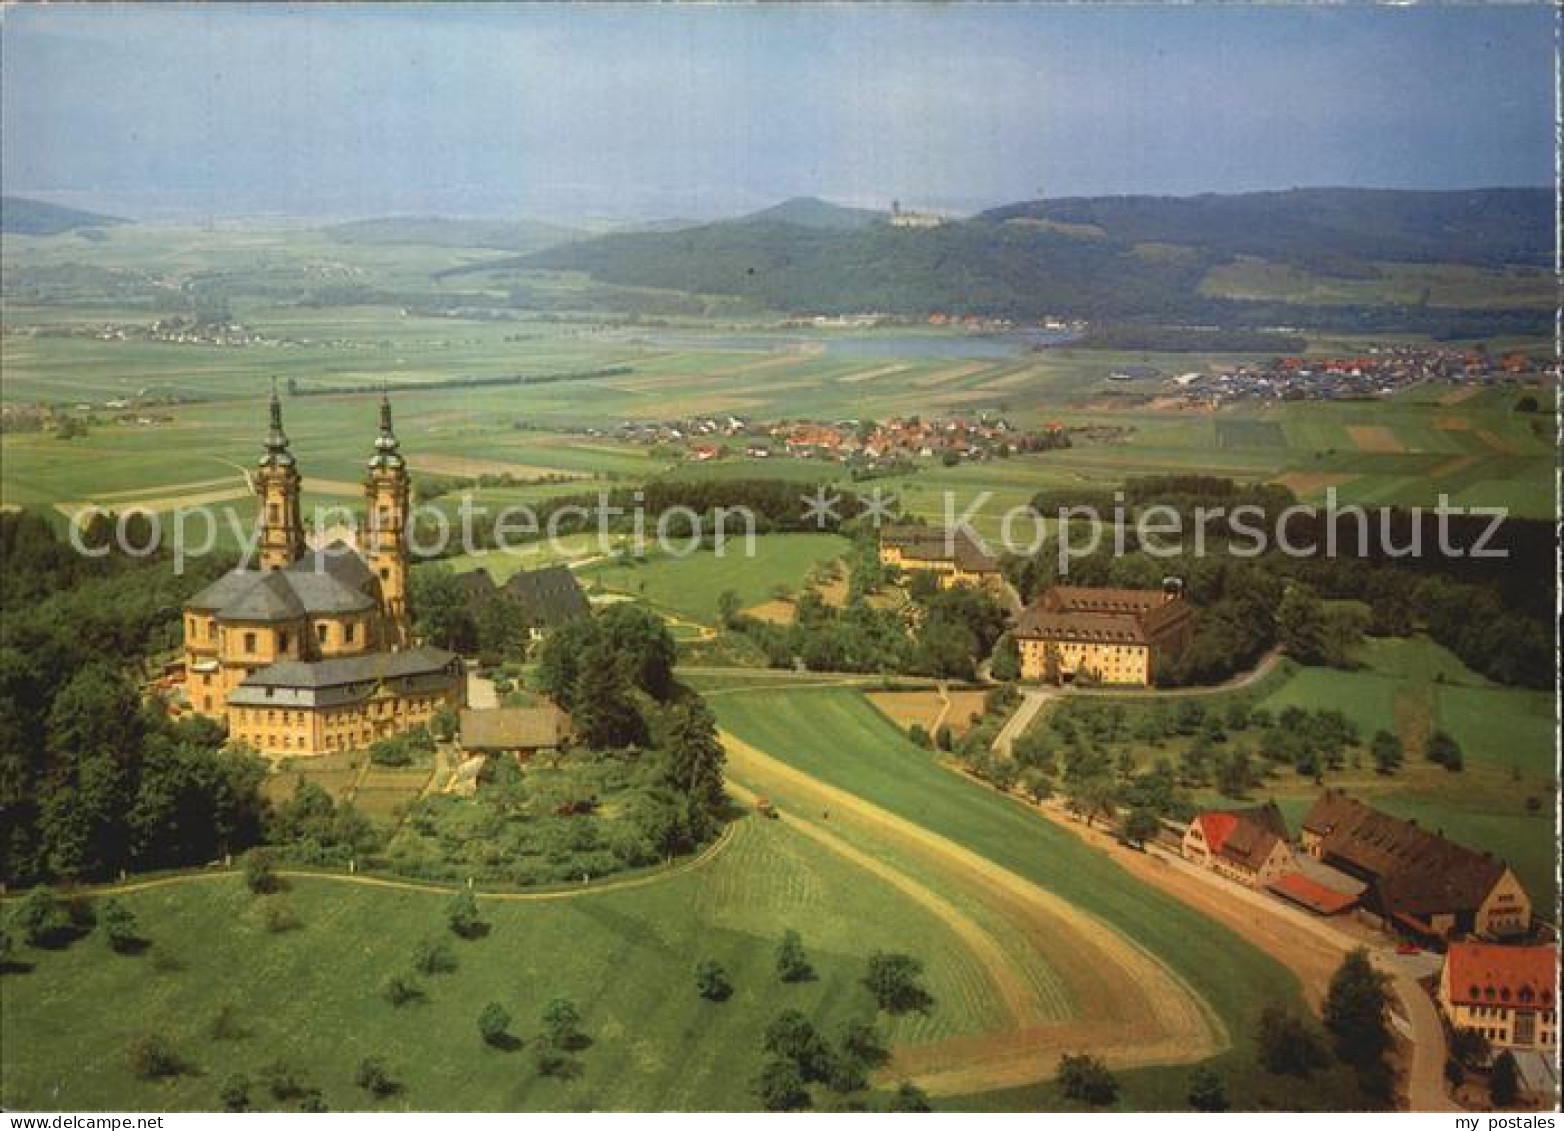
pixel 1033 699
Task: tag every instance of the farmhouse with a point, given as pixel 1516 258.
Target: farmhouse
pixel 1509 994
pixel 1106 635
pixel 312 651
pixel 1415 879
pixel 1247 845
pixel 954 557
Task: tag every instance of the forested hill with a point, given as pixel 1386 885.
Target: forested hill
pixel 24 217
pixel 812 212
pixel 1102 258
pixel 1322 227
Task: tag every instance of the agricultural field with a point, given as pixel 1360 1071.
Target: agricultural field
pixel 689 587
pixel 826 751
pixel 278 284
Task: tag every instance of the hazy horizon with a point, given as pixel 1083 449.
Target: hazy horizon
pixel 620 114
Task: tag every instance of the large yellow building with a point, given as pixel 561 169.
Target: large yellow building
pixel 1509 994
pixel 952 557
pixel 1105 635
pixel 309 653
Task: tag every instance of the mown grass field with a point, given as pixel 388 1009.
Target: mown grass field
pixel 626 958
pixel 690 586
pixel 834 735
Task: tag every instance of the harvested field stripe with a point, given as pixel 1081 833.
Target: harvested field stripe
pixel 1374 438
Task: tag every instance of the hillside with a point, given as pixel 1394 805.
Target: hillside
pixel 24 217
pixel 1323 228
pixel 812 212
pixel 1104 258
pixel 438 231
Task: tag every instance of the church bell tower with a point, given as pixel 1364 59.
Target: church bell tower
pixel 386 499
pixel 277 486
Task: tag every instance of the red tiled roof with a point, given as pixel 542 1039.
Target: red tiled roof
pixel 1216 827
pixel 1483 974
pixel 1315 896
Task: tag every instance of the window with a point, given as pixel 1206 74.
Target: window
pixel 282 642
pixel 347 631
pixel 211 630
pixel 249 642
pixel 322 632
pixel 275 512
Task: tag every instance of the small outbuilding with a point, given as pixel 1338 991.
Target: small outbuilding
pixel 518 731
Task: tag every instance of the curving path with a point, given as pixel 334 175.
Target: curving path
pixel 592 887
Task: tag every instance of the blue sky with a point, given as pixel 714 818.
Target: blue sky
pixel 623 113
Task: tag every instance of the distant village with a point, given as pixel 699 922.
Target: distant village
pixel 1380 372
pixel 864 444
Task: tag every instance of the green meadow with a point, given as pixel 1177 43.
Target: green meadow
pixel 311 998
pixel 690 586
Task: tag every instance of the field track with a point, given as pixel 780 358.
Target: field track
pixel 1124 1005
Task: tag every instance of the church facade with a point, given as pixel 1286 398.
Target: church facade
pixel 311 652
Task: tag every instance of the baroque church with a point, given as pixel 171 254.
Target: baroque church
pixel 311 652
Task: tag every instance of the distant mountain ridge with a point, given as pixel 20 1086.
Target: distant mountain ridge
pixel 1097 258
pixel 23 216
pixel 1484 227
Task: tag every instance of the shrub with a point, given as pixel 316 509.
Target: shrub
pixel 1288 1046
pixel 119 926
pixel 791 1037
pixel 562 1024
pixel 260 872
pixel 780 1087
pixel 42 919
pixel 432 956
pixel 792 963
pixel 153 1057
pixel 462 916
pixel 400 990
pixel 235 1093
pixel 1504 1080
pixel 1206 1091
pixel 374 1079
pixel 494 1025
pixel 1444 750
pixel 909 1098
pixel 893 979
pixel 712 981
pixel 281 1081
pixel 1087 1079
